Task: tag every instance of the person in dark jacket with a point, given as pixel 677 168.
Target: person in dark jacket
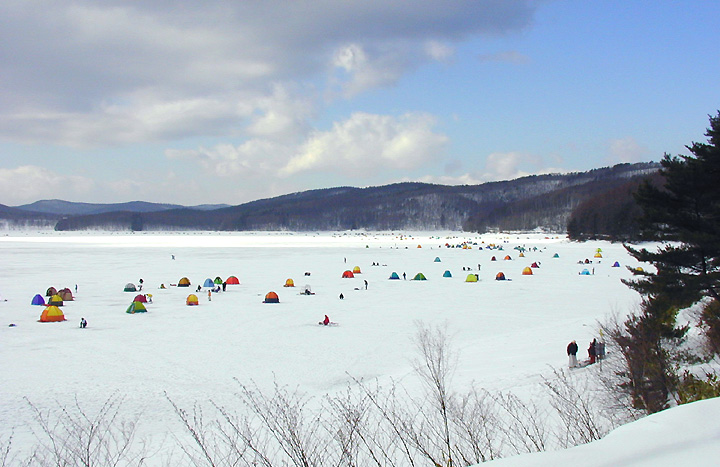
pixel 572 350
pixel 592 350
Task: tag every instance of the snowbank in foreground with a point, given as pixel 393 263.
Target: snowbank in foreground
pixel 684 435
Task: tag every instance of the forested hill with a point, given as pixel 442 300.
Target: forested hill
pixel 541 201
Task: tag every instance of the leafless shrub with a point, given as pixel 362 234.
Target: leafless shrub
pixel 72 436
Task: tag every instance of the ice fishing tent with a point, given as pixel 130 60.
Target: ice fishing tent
pixel 556 255
pixel 184 282
pixel 534 265
pixel 471 278
pixel 616 264
pixel 129 288
pixel 218 280
pixel 598 255
pixel 136 307
pixel 356 270
pixel 289 283
pixel 140 298
pixel 51 291
pixel 394 276
pixel 307 290
pixel 527 272
pixel 66 295
pixel 419 246
pixel 348 275
pixel 55 300
pixel 192 300
pixel 271 297
pixel 209 283
pixel 437 259
pixel 50 314
pixel 584 272
pixel 232 280
pixel 38 300
pixel 521 255
pixel 447 274
pixel 419 277
pixel 507 258
pixel 500 276
pixel 493 259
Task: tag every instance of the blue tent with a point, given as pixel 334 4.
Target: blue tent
pixel 585 272
pixel 616 265
pixel 209 283
pixel 38 300
pixel 447 274
pixel 394 276
pixel 437 259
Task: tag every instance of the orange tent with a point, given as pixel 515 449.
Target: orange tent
pixel 50 314
pixel 289 283
pixel 271 297
pixel 356 270
pixel 192 300
pixel 500 276
pixel 527 272
pixel 348 275
pixel 507 258
pixel 184 282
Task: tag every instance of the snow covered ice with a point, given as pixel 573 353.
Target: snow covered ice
pixel 508 333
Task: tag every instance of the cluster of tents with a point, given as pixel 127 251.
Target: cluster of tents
pixel 52 311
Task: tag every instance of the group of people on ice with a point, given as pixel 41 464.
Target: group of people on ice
pixel 596 351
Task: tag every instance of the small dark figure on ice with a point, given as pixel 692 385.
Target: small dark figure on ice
pixel 83 323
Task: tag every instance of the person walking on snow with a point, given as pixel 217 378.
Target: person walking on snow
pixel 572 350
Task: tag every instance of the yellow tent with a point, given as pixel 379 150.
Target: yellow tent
pixel 51 313
pixel 192 300
pixel 527 272
pixel 289 283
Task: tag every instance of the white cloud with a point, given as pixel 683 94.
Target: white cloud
pixel 113 72
pixel 366 144
pixel 626 150
pixel 29 183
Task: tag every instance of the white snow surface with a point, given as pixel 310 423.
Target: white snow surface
pixel 508 333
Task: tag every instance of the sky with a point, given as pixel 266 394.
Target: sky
pixel 227 102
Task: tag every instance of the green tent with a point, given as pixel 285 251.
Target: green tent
pixel 136 307
pixel 218 280
pixel 471 278
pixel 419 277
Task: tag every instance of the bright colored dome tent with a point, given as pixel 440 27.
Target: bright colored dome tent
pixel 51 291
pixel 598 255
pixel 184 282
pixel 129 287
pixel 521 255
pixel 209 283
pixel 289 283
pixel 447 274
pixel 356 270
pixel 38 300
pixel 500 276
pixel 136 307
pixel 140 298
pixel 584 272
pixel 419 277
pixel 394 276
pixel 348 275
pixel 271 297
pixel 437 259
pixel 616 265
pixel 51 314
pixel 534 265
pixel 493 259
pixel 218 280
pixel 556 255
pixel 55 300
pixel 507 258
pixel 232 280
pixel 527 272
pixel 192 300
pixel 471 278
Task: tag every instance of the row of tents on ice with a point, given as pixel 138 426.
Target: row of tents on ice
pixel 185 282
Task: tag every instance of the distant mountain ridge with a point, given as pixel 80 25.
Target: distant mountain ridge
pixel 540 201
pixel 68 208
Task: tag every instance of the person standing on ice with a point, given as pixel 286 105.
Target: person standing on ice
pixel 366 284
pixel 572 350
pixel 592 350
pixel 326 321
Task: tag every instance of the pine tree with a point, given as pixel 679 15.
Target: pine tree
pixel 686 213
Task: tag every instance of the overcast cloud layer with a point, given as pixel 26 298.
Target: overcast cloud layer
pixel 244 99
